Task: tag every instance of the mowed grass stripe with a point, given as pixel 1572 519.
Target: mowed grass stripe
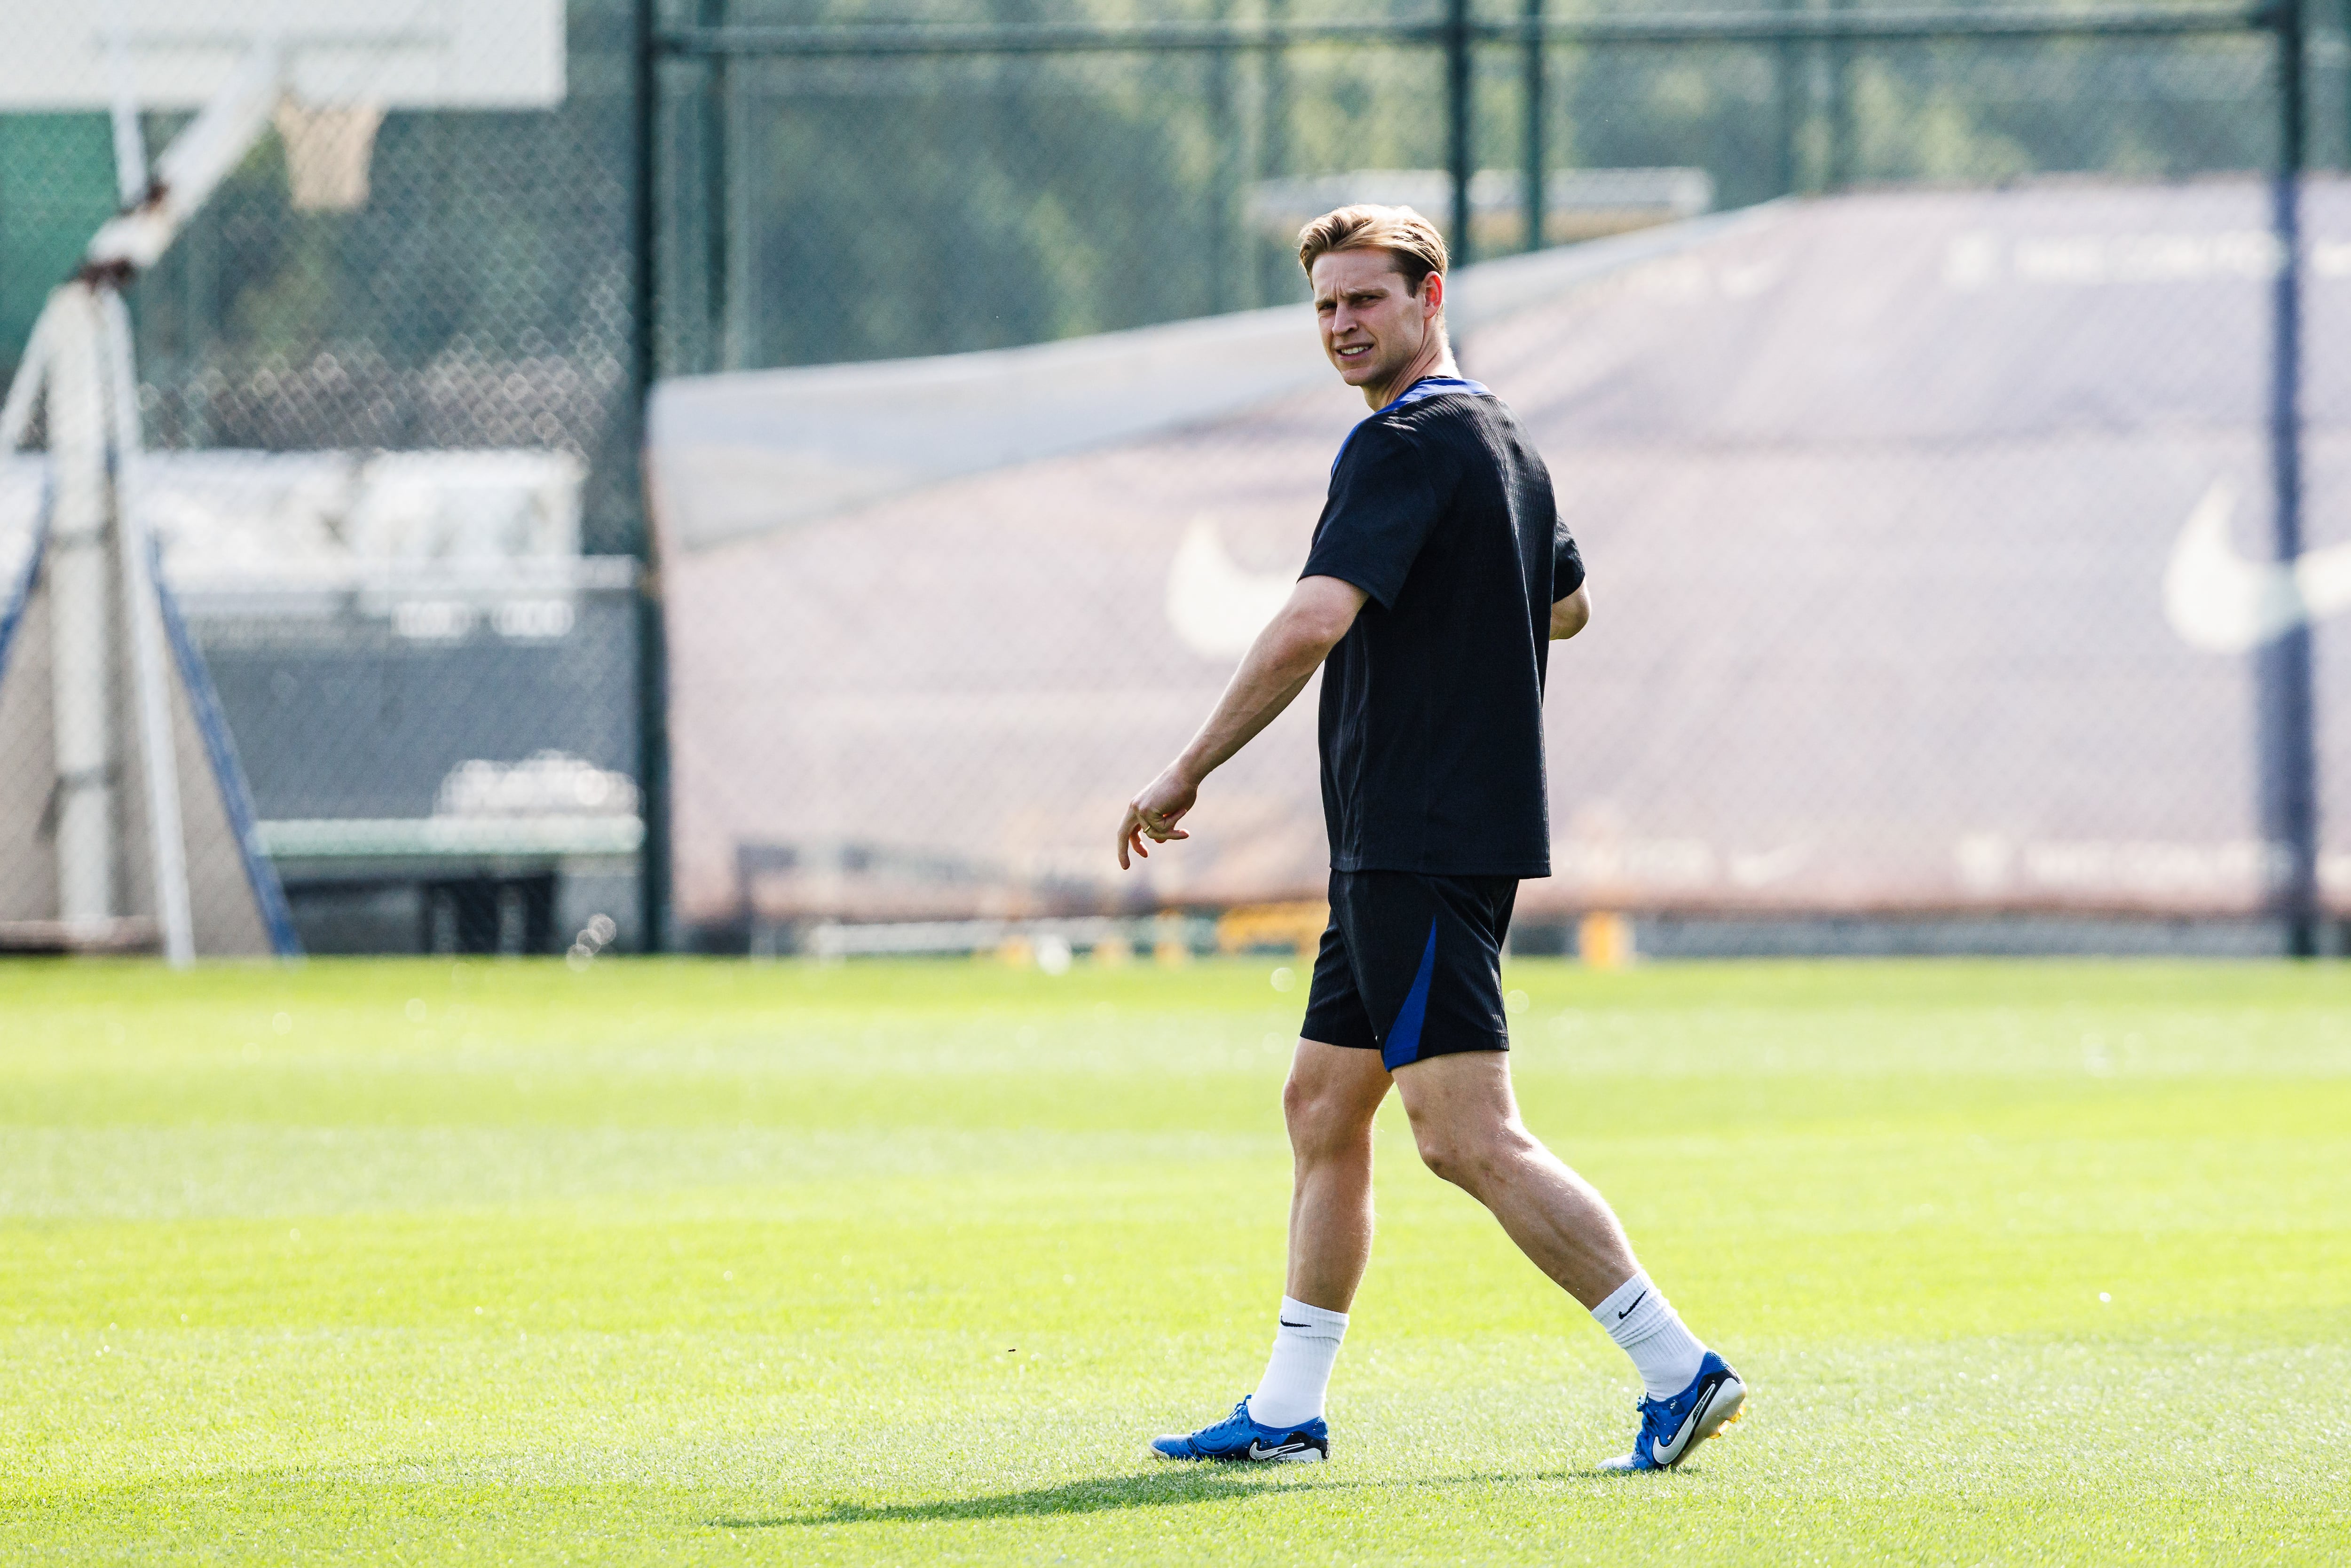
pixel 900 1262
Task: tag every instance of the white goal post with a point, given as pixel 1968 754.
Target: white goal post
pixel 337 63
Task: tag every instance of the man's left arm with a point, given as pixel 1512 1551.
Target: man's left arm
pixel 1570 604
pixel 1571 614
pixel 1275 670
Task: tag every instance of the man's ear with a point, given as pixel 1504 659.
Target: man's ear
pixel 1433 292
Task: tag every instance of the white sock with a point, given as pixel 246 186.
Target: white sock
pixel 1644 1327
pixel 1298 1374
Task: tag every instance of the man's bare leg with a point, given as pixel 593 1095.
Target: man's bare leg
pixel 1328 1104
pixel 1466 1120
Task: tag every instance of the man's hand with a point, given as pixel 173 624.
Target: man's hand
pixel 1154 813
pixel 1277 667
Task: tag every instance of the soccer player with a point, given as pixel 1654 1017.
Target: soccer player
pixel 1438 576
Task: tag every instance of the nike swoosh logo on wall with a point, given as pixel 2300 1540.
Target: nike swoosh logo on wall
pixel 2225 604
pixel 1767 866
pixel 1216 605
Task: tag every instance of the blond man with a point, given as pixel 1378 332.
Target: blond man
pixel 1438 576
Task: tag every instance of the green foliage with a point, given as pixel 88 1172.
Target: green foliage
pixel 1764 119
pixel 701 1262
pixel 969 208
pixel 823 210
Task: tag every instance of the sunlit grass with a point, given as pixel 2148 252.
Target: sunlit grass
pixel 408 1261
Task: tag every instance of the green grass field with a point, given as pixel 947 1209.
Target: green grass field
pixel 411 1262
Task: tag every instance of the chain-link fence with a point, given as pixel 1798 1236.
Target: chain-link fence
pixel 1083 178
pixel 1923 386
pixel 387 391
pixel 1894 495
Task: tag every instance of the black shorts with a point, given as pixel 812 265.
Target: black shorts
pixel 1412 965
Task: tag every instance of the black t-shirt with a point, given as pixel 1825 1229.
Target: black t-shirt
pixel 1432 704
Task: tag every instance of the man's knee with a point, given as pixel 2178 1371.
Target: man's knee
pixel 1468 1152
pixel 1325 1118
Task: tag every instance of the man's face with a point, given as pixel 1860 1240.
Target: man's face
pixel 1373 325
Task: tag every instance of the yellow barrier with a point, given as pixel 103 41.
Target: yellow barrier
pixel 1605 941
pixel 1297 926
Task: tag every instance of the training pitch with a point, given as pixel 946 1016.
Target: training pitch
pixel 708 1262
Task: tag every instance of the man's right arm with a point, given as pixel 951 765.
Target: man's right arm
pixel 1275 670
pixel 1571 614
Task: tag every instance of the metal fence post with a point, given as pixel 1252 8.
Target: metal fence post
pixel 1273 148
pixel 1531 160
pixel 1458 152
pixel 1789 82
pixel 1841 115
pixel 717 305
pixel 653 657
pixel 1223 263
pixel 2283 674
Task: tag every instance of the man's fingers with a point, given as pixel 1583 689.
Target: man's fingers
pixel 1142 822
pixel 1161 825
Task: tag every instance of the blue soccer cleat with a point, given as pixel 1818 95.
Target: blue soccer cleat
pixel 1671 1428
pixel 1238 1437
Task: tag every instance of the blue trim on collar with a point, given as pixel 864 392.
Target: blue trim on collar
pixel 1419 392
pixel 1436 386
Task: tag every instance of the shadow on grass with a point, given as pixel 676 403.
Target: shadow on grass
pixel 1095 1496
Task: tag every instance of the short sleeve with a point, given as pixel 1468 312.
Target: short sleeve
pixel 1566 562
pixel 1383 503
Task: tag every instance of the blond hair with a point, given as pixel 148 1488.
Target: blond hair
pixel 1410 239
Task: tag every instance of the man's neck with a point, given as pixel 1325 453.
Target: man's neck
pixel 1435 359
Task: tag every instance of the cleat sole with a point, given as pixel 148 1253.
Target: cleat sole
pixel 1727 1409
pixel 1304 1457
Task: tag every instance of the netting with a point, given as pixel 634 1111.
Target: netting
pixel 1889 496
pixel 385 373
pixel 1891 505
pixel 1907 497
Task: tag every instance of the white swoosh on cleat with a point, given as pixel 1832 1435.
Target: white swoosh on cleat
pixel 1259 1451
pixel 2221 601
pixel 1728 1397
pixel 1664 1453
